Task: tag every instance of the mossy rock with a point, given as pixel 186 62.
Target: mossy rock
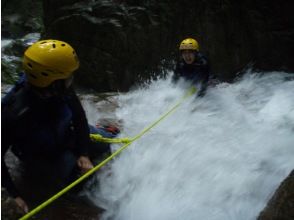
pixel 10 70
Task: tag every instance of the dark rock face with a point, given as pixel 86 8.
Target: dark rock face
pixel 121 42
pixel 115 42
pixel 11 57
pixel 10 210
pixel 238 33
pixel 281 205
pixel 21 17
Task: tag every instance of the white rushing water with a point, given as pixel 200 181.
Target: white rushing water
pixel 220 157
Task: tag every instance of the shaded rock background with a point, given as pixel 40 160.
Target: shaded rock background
pixel 281 205
pixel 18 21
pixel 21 17
pixel 122 42
pixel 11 56
pixel 9 209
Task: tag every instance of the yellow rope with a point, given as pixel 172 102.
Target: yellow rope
pixel 191 91
pixel 100 138
pixel 66 189
pixel 93 170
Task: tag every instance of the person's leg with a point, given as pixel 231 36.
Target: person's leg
pixel 66 168
pixel 98 149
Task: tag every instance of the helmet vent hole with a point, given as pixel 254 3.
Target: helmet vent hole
pixel 44 74
pixel 73 52
pixel 44 42
pixel 33 76
pixel 63 45
pixel 30 65
pixel 53 45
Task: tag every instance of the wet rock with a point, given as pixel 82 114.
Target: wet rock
pixel 10 66
pixel 121 43
pixel 21 17
pixel 18 46
pixel 69 207
pixel 73 209
pixel 9 209
pixel 121 38
pixel 281 205
pixel 11 57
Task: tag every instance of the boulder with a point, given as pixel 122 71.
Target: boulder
pixel 281 205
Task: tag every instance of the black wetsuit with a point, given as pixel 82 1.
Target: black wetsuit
pixel 197 72
pixel 53 129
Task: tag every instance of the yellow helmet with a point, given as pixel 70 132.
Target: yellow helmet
pixel 48 60
pixel 189 44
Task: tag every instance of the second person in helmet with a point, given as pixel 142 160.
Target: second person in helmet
pixel 193 66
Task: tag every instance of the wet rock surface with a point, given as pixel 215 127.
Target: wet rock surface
pixel 67 208
pixel 121 42
pixel 281 205
pixel 11 56
pixel 9 209
pixel 21 17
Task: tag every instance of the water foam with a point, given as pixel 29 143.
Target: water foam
pixel 216 158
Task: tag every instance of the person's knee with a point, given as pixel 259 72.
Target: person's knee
pixel 97 149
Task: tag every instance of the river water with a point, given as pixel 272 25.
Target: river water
pixel 220 157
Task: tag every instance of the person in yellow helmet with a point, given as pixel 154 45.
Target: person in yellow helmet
pixel 43 121
pixel 193 66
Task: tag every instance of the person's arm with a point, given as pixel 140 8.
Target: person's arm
pixel 176 74
pixel 82 132
pixel 7 122
pixel 80 123
pixel 204 71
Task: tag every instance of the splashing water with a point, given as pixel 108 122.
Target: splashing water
pixel 219 157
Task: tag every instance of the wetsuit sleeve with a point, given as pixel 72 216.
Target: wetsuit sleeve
pixel 80 124
pixel 204 70
pixel 176 75
pixel 7 123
